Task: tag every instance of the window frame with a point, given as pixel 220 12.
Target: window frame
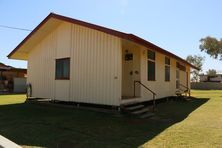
pixel 154 62
pixel 62 77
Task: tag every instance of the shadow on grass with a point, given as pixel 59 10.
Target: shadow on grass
pixel 49 126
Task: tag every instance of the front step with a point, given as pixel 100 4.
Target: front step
pixel 127 104
pixel 138 109
pixel 147 115
pixel 141 111
pixel 131 108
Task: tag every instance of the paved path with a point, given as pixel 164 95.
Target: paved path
pixel 5 143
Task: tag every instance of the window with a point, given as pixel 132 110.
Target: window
pixel 151 55
pixel 167 69
pixel 177 78
pixel 151 65
pixel 62 69
pixel 128 57
pixel 167 61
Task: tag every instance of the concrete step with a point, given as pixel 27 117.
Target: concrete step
pixel 142 110
pixel 130 103
pixel 146 115
pixel 135 107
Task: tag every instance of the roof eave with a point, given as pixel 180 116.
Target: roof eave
pixel 30 34
pixel 123 35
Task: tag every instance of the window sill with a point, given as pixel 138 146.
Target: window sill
pixel 151 80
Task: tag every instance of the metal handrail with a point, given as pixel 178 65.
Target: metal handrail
pixel 184 86
pixel 154 94
pixel 187 88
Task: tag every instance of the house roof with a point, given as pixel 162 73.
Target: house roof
pixel 130 37
pixel 4 67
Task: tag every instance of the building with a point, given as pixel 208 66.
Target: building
pixel 208 78
pixel 12 79
pixel 71 60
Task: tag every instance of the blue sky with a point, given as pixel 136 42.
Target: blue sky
pixel 176 26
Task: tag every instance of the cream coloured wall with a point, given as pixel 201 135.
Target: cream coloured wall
pixel 41 68
pixel 160 86
pixel 95 66
pixel 41 65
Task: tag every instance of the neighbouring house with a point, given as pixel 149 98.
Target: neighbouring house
pixel 208 82
pixel 71 60
pixel 209 78
pixel 12 79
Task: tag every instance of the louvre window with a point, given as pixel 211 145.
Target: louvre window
pixel 151 55
pixel 151 65
pixel 62 69
pixel 167 61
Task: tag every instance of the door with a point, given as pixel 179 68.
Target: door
pixel 130 72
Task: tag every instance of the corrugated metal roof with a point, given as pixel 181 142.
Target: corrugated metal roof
pixel 130 37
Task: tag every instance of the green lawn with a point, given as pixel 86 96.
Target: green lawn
pixel 197 123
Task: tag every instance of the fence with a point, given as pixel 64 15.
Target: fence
pixel 206 85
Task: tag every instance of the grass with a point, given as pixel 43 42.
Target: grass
pixel 197 123
pixel 202 128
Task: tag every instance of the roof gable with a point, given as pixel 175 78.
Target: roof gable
pixel 122 35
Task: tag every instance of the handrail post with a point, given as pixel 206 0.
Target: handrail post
pixel 154 94
pixel 187 89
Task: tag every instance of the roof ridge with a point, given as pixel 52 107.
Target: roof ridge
pixel 123 35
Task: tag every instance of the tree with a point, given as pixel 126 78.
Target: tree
pixel 197 61
pixel 212 46
pixel 211 72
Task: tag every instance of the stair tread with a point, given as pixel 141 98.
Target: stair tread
pixel 131 103
pixel 134 107
pixel 147 115
pixel 141 111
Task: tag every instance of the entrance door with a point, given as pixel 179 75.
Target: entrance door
pixel 130 72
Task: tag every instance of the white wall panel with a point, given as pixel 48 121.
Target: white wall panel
pixel 160 86
pixel 41 68
pixel 96 63
pixel 95 66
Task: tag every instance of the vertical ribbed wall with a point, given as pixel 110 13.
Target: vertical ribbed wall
pixel 95 66
pixel 96 63
pixel 160 86
pixel 41 68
